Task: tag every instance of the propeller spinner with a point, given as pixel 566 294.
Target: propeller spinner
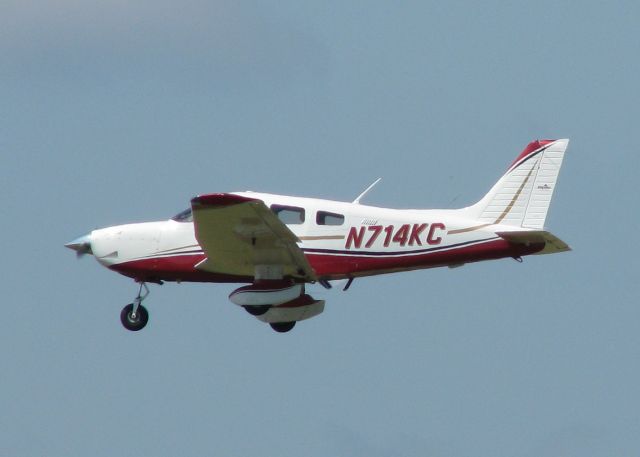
pixel 81 245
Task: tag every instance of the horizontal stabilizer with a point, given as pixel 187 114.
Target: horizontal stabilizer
pixel 552 243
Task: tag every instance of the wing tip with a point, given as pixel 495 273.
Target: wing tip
pixel 219 200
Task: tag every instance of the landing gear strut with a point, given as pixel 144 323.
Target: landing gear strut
pixel 134 316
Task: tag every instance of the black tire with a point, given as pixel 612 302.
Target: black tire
pixel 257 310
pixel 282 327
pixel 142 317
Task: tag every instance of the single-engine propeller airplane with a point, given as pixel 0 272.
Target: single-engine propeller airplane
pixel 276 244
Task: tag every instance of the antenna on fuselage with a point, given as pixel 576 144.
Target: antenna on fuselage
pixel 357 200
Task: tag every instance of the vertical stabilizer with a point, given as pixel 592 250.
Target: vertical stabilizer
pixel 522 196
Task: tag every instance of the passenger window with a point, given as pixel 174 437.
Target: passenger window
pixel 289 214
pixel 325 218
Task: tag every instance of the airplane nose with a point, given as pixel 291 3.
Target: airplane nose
pixel 81 245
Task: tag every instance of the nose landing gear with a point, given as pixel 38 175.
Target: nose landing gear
pixel 134 316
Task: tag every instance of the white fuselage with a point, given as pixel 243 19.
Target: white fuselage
pixel 339 239
pixel 276 243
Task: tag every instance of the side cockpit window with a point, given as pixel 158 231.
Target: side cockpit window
pixel 289 214
pixel 184 216
pixel 326 218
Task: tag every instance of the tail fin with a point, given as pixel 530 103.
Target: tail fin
pixel 522 196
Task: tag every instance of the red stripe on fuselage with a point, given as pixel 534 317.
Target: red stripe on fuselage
pixel 173 268
pixel 327 265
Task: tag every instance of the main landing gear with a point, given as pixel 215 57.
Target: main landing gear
pixel 282 327
pixel 134 316
pixel 259 310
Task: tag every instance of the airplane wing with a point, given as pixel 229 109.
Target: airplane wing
pixel 239 233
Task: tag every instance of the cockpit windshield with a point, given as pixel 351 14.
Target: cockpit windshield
pixel 184 216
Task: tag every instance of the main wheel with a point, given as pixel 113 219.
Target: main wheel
pixel 282 327
pixel 257 310
pixel 131 323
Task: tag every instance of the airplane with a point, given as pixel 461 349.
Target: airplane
pixel 277 244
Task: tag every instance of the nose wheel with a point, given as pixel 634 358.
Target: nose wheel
pixel 134 316
pixel 134 321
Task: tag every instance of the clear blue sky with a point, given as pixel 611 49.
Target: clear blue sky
pixel 113 112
